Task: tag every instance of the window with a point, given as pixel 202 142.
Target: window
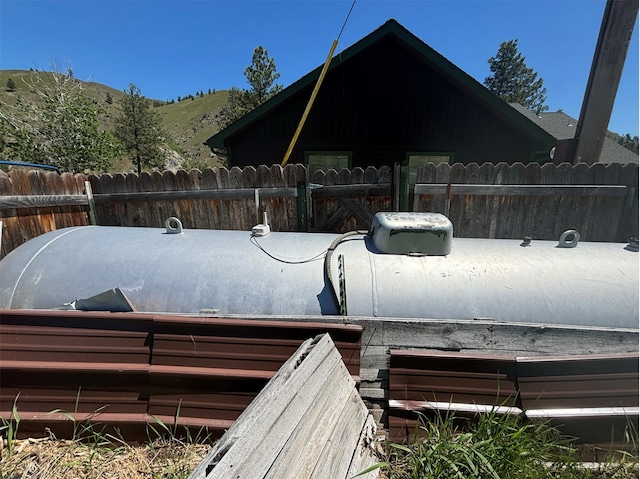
pixel 409 172
pixel 416 160
pixel 326 160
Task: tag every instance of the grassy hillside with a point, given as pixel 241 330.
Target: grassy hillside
pixel 188 123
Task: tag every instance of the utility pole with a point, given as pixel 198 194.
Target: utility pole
pixel 608 61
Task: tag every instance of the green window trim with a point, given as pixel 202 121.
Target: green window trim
pixel 326 160
pixel 409 170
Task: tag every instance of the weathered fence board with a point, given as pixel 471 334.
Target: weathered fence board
pixel 513 201
pixel 486 201
pixel 307 422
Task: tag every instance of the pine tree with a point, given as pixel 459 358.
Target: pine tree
pixel 139 129
pixel 11 85
pixel 261 76
pixel 513 81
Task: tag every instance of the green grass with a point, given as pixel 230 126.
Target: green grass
pixel 9 431
pixel 169 453
pixel 496 446
pixel 490 446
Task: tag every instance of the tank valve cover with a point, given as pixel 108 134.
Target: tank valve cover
pixel 412 233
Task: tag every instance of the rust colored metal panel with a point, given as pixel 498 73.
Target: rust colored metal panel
pixel 454 386
pixel 579 382
pixel 72 344
pixel 238 343
pixel 126 370
pixel 445 377
pixel 224 405
pixel 198 362
pixel 429 382
pixel 40 399
pixel 592 398
pixel 225 352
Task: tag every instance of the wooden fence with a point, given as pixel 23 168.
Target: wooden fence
pixel 489 201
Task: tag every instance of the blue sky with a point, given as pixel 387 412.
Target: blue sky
pixel 175 48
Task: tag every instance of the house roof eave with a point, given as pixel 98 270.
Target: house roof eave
pixel 451 71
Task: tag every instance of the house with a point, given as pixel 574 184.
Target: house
pixel 563 128
pixel 389 98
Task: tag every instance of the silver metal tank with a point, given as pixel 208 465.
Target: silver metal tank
pixel 180 273
pixel 593 284
pixel 235 272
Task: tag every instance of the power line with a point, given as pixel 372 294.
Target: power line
pixel 346 19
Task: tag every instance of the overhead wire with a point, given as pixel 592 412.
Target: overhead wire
pixel 314 93
pixel 353 4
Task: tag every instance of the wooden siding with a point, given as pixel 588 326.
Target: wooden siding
pixel 381 104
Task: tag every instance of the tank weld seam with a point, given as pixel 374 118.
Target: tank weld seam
pixel 44 247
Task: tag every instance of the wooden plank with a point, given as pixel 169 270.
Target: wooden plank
pixel 628 226
pixel 169 184
pixel 118 182
pixel 565 173
pixel 308 418
pixel 210 182
pixel 513 208
pixel 523 190
pixel 532 176
pixel 156 212
pixel 575 213
pixel 364 455
pixel 482 205
pixel 275 395
pixel 222 176
pixel 300 454
pixel 199 207
pixel 242 213
pixel 609 215
pixel 335 458
pixel 185 208
pixel 42 201
pixel 608 62
pixel 496 217
pixel 357 211
pixel 44 219
pixel 254 457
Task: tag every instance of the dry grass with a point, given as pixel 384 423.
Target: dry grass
pixel 66 459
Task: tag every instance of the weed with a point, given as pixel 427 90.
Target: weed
pixel 494 446
pixel 9 429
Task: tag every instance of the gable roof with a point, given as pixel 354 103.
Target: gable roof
pixel 563 127
pixel 426 55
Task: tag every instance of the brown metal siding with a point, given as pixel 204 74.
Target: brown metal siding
pixel 583 381
pixel 531 384
pixel 128 370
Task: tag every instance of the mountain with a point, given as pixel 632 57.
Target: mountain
pixel 188 123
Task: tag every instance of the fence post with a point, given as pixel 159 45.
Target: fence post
pixel 627 228
pixel 396 187
pixel 92 203
pixel 301 207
